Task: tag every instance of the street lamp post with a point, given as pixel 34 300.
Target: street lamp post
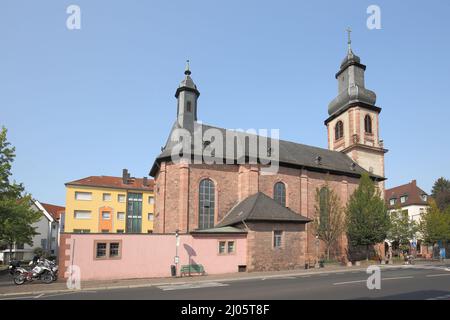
pixel 317 251
pixel 177 237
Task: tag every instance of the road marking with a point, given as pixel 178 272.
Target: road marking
pixel 359 281
pixel 192 286
pixel 438 275
pixel 440 298
pixel 348 282
pixel 38 296
pixel 397 278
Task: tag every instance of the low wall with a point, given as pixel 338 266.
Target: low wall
pixel 148 255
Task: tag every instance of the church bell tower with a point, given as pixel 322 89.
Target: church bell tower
pixel 187 96
pixel 353 122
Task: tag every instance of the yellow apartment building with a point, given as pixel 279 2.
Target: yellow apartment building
pixel 105 204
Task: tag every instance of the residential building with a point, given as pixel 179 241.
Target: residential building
pixel 410 200
pixel 47 237
pixel 105 204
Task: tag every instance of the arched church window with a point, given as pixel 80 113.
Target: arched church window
pixel 339 130
pixel 279 193
pixel 368 124
pixel 324 199
pixel 206 204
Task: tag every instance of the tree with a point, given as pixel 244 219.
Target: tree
pixel 16 214
pixel 435 225
pixel 441 193
pixel 402 229
pixel 329 221
pixel 367 219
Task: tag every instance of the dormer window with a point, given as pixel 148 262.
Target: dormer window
pixel 188 106
pixel 424 197
pixel 339 130
pixel 368 124
pixel 392 201
pixel 403 199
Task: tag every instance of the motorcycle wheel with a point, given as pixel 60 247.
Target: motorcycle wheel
pixel 19 278
pixel 47 277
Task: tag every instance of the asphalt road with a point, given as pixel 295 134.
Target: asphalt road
pixel 415 282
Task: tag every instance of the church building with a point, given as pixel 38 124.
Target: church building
pixel 275 210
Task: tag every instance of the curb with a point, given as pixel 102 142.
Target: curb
pixel 146 285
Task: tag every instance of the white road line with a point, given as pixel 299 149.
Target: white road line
pixel 38 296
pixel 359 281
pixel 348 282
pixel 438 275
pixel 397 278
pixel 192 286
pixel 440 298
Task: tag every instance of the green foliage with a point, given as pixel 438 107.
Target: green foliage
pixel 367 220
pixel 16 214
pixel 441 193
pixel 7 155
pixel 402 229
pixel 435 224
pixel 329 222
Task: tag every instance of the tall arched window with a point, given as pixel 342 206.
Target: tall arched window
pixel 339 130
pixel 279 193
pixel 368 124
pixel 206 204
pixel 324 200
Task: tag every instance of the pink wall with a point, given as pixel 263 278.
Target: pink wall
pixel 149 256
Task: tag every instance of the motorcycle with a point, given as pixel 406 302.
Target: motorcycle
pixel 44 270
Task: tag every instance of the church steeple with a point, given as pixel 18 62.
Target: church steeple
pixel 187 95
pixel 353 122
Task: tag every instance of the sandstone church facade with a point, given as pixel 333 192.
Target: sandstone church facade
pixel 274 210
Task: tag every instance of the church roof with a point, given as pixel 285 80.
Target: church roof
pixel 260 207
pixel 291 154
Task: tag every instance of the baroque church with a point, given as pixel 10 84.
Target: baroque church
pixel 274 210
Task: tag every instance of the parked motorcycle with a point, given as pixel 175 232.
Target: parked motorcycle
pixel 43 269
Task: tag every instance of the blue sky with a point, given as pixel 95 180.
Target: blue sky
pixel 99 99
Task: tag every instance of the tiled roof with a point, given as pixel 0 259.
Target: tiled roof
pixel 290 154
pixel 54 210
pixel 260 207
pixel 113 182
pixel 411 190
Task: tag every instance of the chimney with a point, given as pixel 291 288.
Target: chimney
pixel 414 183
pixel 125 176
pixel 145 181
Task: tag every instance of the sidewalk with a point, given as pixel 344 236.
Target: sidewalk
pixel 60 285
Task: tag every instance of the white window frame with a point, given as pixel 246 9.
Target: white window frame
pixel 108 213
pixel 107 194
pixel 87 212
pixel 121 195
pixel 122 214
pixel 150 215
pixel 85 193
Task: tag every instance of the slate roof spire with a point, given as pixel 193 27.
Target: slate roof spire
pixel 351 84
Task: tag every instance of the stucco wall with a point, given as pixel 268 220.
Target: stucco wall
pixel 148 256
